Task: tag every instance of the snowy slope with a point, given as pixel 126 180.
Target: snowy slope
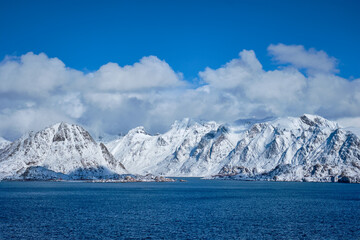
pixel 309 148
pixel 60 149
pixel 4 143
pixel 163 154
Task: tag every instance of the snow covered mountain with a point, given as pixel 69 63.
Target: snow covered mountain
pixel 162 154
pixel 61 151
pixel 309 148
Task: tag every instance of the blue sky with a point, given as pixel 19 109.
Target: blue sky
pixel 189 35
pixel 114 65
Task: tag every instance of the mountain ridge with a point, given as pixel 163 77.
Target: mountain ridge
pixel 290 147
pixel 307 148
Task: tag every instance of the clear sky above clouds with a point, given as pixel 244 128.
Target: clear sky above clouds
pixel 113 65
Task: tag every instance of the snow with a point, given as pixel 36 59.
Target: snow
pixel 62 148
pixel 142 152
pixel 308 148
pixel 4 143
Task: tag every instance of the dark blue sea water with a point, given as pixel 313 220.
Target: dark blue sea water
pixel 197 209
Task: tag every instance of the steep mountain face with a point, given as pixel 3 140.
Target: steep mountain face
pixel 309 148
pixel 162 154
pixel 62 151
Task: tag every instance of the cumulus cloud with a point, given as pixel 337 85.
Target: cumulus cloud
pixel 311 60
pixel 235 73
pixel 15 122
pixel 274 92
pixel 36 91
pixel 287 91
pixel 150 72
pixel 34 74
pixel 71 105
pixel 245 75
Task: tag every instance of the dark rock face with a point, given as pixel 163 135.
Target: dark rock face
pixel 109 157
pixel 40 173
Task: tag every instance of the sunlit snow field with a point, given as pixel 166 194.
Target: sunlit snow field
pixel 196 209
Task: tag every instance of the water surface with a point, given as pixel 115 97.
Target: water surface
pixel 197 209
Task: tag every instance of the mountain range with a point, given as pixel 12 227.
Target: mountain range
pixel 307 148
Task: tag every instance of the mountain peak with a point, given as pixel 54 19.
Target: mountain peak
pixel 310 120
pixel 64 148
pixel 315 120
pixel 64 125
pixel 71 132
pixel 138 130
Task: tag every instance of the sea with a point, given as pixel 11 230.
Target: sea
pixel 195 209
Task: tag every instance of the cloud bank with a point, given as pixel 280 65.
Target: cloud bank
pixel 37 91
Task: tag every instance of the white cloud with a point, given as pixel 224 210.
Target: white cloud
pixel 235 73
pixel 349 122
pixel 71 105
pixel 286 91
pixel 312 60
pixel 34 74
pixel 36 91
pixel 244 79
pixel 17 122
pixel 150 72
